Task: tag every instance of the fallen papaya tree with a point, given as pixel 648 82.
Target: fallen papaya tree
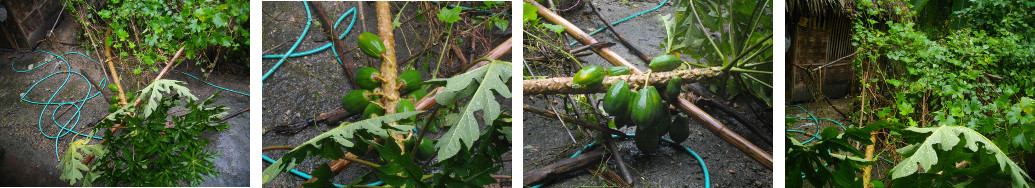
pixel 392 104
pixel 566 85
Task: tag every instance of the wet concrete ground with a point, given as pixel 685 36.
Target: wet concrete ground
pixel 19 119
pixel 546 141
pixel 304 87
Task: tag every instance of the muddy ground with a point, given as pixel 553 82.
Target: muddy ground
pixel 19 119
pixel 546 141
pixel 304 87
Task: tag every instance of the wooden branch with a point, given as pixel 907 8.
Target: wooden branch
pixel 540 175
pixel 621 38
pixel 613 148
pixel 583 37
pixel 339 45
pixel 720 130
pixel 563 85
pixel 576 121
pixel 164 70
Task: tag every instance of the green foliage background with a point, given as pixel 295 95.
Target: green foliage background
pixel 149 31
pixel 960 89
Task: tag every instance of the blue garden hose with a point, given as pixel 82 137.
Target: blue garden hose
pixel 814 119
pixel 68 126
pixel 816 136
pixel 309 18
pixel 623 20
pixel 307 176
pixel 707 180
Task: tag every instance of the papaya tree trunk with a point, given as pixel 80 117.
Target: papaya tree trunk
pixel 563 85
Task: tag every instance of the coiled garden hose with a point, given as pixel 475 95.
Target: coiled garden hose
pixel 68 126
pixel 309 18
pixel 707 180
pixel 814 119
pixel 816 136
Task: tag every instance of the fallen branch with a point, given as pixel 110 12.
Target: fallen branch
pixel 580 35
pixel 621 38
pixel 339 45
pixel 574 120
pixel 540 175
pixel 751 125
pixel 563 85
pixel 613 148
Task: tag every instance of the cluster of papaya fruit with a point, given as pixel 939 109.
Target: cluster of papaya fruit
pixel 369 81
pixel 115 99
pixel 645 109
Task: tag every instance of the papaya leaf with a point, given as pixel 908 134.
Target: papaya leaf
pixel 340 136
pixel 71 165
pixel 156 89
pixel 482 84
pixel 943 142
pixel 449 15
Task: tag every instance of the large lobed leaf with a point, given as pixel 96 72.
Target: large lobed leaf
pixel 156 89
pixel 71 164
pixel 942 142
pixel 327 143
pixel 482 84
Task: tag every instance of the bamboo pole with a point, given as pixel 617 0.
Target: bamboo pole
pixel 582 36
pixel 682 104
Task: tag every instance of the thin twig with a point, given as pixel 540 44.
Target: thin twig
pixel 563 125
pixel 621 38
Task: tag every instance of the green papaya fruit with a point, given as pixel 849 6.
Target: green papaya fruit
pixel 405 106
pixel 371 44
pixel 411 80
pixel 366 78
pixel 646 108
pixel 618 70
pixel 647 139
pixel 113 88
pixel 418 94
pixel 112 108
pixel 589 77
pixel 673 88
pixel 425 149
pixel 616 99
pixel 662 126
pixel 665 63
pixel 356 100
pixel 680 128
pixel 371 110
